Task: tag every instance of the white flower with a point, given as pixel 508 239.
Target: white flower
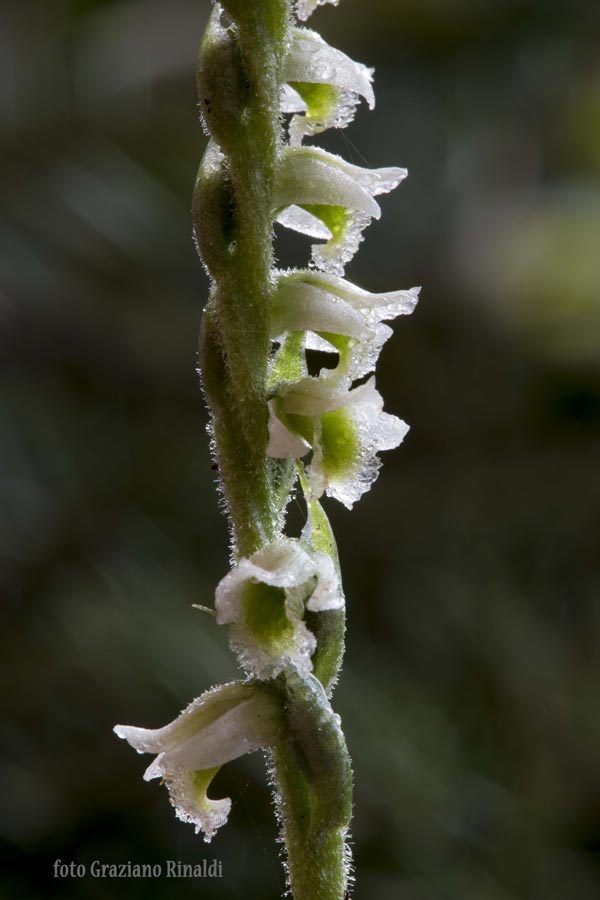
pixel 321 195
pixel 323 83
pixel 305 8
pixel 337 316
pixel 345 428
pixel 264 599
pixel 222 724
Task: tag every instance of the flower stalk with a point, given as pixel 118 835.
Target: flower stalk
pixel 274 425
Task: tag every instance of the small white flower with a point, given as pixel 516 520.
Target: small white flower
pixel 264 599
pixel 224 723
pixel 345 428
pixel 322 83
pixel 321 195
pixel 305 8
pixel 337 316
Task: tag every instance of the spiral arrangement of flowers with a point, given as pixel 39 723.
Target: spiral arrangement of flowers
pixel 265 85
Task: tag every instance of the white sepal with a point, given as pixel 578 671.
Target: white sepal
pixel 305 8
pixel 298 306
pixel 311 61
pixel 297 219
pixel 311 301
pixel 282 443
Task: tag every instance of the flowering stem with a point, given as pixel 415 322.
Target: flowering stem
pixel 283 599
pixel 239 86
pixel 313 778
pixel 233 218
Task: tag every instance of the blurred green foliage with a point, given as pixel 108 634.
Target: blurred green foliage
pixel 470 695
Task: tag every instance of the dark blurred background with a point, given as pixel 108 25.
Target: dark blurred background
pixel 470 693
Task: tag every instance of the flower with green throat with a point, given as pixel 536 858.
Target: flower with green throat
pixel 275 425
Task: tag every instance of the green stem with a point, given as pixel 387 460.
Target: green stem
pixel 239 80
pixel 313 779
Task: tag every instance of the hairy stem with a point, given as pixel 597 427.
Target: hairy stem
pixel 239 80
pixel 313 779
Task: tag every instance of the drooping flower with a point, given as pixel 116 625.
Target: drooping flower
pixel 221 725
pixel 321 195
pixel 345 428
pixel 337 316
pixel 322 84
pixel 264 599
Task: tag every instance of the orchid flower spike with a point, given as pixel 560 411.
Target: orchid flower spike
pixel 222 724
pixel 264 599
pixel 273 424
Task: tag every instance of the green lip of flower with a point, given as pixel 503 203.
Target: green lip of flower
pixel 221 725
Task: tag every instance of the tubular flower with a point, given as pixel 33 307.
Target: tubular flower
pixel 337 317
pixel 345 428
pixel 322 83
pixel 222 724
pixel 264 599
pixel 321 195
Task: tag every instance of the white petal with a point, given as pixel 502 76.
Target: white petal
pixel 245 728
pixel 210 705
pixel 364 356
pixel 207 816
pixel 375 181
pixel 328 592
pixel 282 563
pixel 315 396
pixel 298 306
pixel 297 219
pixel 219 726
pixel 310 59
pixel 306 8
pixel 311 176
pixel 291 101
pixel 318 178
pixel 375 307
pixel 282 443
pixel 192 804
pixel 314 341
pixel 333 256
